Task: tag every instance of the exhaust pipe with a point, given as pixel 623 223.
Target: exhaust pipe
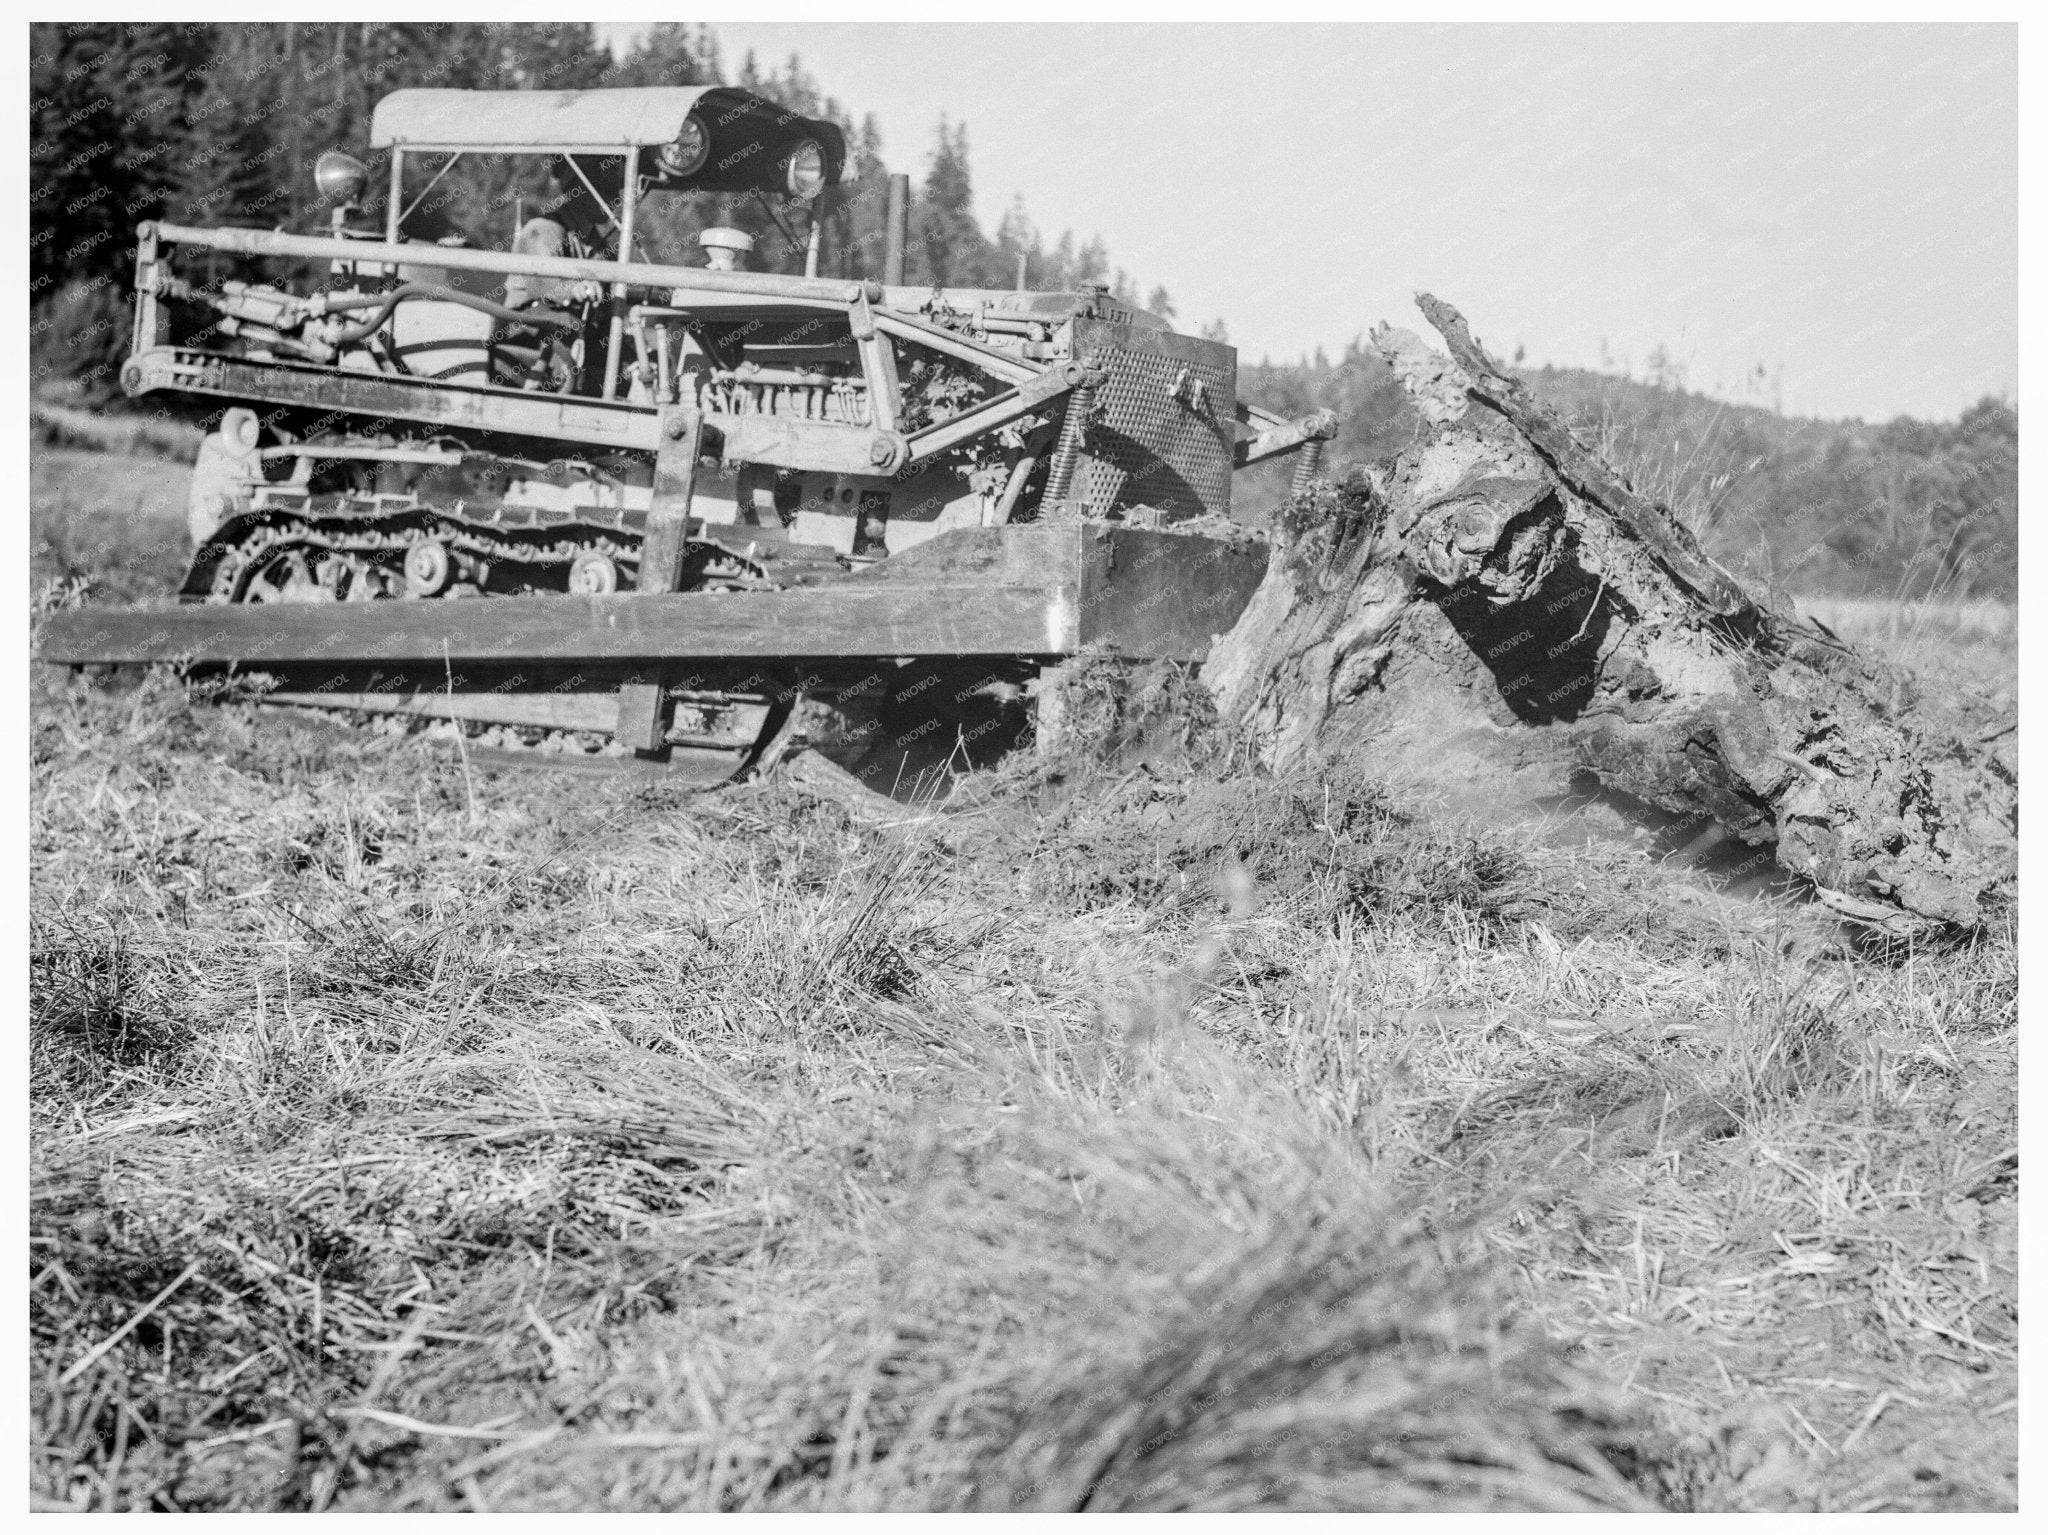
pixel 898 232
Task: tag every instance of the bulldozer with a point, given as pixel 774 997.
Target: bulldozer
pixel 580 499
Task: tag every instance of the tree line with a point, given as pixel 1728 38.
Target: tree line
pixel 1903 509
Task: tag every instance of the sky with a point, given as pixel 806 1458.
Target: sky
pixel 1819 217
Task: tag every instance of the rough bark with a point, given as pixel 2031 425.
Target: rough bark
pixel 1499 593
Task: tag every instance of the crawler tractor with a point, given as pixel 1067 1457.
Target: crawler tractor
pixel 553 489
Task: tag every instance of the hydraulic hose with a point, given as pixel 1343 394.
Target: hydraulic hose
pixel 387 302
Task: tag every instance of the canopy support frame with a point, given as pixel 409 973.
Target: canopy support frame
pixel 448 166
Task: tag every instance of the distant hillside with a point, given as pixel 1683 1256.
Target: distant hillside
pixel 1904 508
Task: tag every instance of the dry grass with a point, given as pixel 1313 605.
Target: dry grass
pixel 108 527
pixel 1690 465
pixel 1127 1138
pixel 55 422
pixel 1877 621
pixel 1969 647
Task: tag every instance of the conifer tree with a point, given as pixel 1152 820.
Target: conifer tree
pixel 946 244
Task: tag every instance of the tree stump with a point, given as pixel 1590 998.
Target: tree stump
pixel 1498 582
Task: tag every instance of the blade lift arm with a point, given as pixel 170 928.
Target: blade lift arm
pixel 1279 435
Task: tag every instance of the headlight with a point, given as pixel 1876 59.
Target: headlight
pixel 686 156
pixel 341 178
pixel 807 169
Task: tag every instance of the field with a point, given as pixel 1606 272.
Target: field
pixel 408 1133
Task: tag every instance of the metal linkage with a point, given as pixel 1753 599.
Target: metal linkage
pixel 999 410
pixel 1283 436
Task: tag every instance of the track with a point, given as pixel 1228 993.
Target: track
pixel 357 549
pixel 361 548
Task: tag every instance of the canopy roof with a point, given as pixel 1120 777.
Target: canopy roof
pixel 750 137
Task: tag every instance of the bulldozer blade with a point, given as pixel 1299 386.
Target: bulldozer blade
pixel 1032 591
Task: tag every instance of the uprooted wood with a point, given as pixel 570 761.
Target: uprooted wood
pixel 1498 594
